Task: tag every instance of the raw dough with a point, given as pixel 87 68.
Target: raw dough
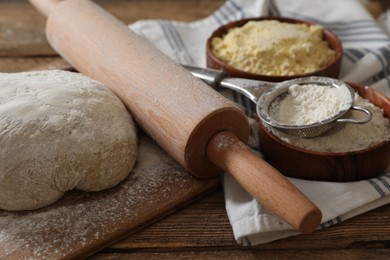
pixel 60 131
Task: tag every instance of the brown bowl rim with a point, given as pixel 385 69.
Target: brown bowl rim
pixel 335 154
pixel 222 30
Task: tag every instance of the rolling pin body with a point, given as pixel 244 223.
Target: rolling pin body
pixel 193 123
pixel 175 109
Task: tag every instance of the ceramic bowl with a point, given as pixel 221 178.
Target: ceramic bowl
pixel 325 166
pixel 331 70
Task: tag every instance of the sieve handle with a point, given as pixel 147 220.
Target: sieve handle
pixel 252 89
pixel 357 121
pixel 211 77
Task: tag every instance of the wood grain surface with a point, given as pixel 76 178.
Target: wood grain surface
pixel 80 223
pixel 200 230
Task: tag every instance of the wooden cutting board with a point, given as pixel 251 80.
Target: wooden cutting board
pixel 81 223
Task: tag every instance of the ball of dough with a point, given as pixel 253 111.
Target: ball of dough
pixel 60 131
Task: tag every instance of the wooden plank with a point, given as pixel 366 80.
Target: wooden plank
pixel 179 10
pixel 377 7
pixel 22 27
pixel 22 30
pixel 205 225
pixel 18 64
pixel 81 223
pixel 252 254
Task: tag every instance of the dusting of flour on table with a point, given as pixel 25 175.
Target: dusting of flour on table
pixel 80 222
pixel 308 104
pixel 347 137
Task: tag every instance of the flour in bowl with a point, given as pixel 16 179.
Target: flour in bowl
pixel 270 47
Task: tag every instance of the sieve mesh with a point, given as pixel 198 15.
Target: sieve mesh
pixel 314 129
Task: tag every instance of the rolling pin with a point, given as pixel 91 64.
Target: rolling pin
pixel 202 130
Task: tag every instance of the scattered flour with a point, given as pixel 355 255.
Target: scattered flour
pixel 81 221
pixel 308 104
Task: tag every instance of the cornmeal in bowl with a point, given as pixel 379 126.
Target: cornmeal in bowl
pixel 271 47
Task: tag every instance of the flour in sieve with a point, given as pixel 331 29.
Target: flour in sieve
pixel 308 104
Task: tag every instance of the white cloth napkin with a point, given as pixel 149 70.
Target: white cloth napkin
pixel 366 61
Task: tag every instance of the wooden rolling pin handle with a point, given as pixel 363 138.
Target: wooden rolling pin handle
pixel 263 182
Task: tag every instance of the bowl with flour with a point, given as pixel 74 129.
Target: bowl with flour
pixel 274 49
pixel 348 153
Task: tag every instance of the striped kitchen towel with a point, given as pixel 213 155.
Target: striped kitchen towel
pixel 366 61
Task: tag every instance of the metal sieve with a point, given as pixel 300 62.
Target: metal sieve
pixel 314 129
pixel 263 93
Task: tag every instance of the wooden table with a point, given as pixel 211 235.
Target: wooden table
pixel 201 230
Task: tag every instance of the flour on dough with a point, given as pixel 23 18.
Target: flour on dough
pixel 60 131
